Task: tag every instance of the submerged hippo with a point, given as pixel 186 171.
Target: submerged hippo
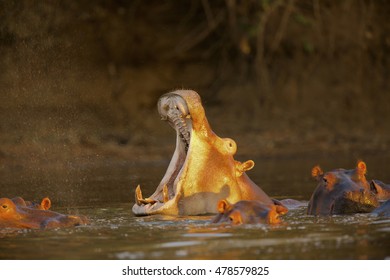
pixel 202 170
pixel 19 216
pixel 249 212
pixel 380 189
pixel 44 205
pixel 342 191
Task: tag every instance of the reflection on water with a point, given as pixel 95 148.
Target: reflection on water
pixel 105 194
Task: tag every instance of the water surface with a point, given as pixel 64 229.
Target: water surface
pixel 105 194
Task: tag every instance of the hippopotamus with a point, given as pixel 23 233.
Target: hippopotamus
pixel 342 191
pixel 202 170
pixel 381 189
pixel 19 216
pixel 383 210
pixel 249 212
pixel 44 205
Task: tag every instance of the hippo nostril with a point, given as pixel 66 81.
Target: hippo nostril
pixel 4 206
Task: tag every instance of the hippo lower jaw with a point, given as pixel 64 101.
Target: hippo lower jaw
pixel 172 109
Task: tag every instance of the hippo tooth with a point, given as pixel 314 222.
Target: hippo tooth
pixel 183 108
pixel 138 197
pixel 165 193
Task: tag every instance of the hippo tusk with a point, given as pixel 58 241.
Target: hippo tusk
pixel 140 200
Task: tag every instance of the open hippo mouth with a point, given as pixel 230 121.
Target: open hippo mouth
pixel 173 109
pixel 202 170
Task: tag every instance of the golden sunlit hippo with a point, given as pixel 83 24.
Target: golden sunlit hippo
pixel 14 215
pixel 249 212
pixel 342 191
pixel 202 170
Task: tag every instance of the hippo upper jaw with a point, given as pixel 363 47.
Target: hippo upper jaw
pixel 164 200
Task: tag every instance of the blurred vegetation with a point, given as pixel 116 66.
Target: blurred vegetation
pixel 293 71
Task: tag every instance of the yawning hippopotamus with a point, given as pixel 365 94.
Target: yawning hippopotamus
pixel 44 205
pixel 249 212
pixel 342 191
pixel 20 216
pixel 380 189
pixel 202 170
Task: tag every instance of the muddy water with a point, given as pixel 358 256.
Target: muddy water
pixel 105 194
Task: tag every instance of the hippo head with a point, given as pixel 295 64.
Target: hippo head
pixel 18 213
pixel 341 191
pixel 202 170
pixel 248 212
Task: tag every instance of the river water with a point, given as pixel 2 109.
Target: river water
pixel 105 194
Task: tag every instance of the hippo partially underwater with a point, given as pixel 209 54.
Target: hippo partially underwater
pixel 342 191
pixel 249 212
pixel 202 170
pixel 16 213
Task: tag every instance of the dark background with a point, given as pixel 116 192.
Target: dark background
pixel 79 80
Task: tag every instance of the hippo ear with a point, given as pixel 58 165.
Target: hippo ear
pixel 223 205
pixel 242 167
pixel 46 203
pixel 374 187
pixel 248 165
pixel 316 172
pixel 361 168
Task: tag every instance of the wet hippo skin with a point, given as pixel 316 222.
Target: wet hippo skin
pixel 248 212
pixel 21 216
pixel 342 191
pixel 202 170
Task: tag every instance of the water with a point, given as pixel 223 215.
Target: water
pixel 105 194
